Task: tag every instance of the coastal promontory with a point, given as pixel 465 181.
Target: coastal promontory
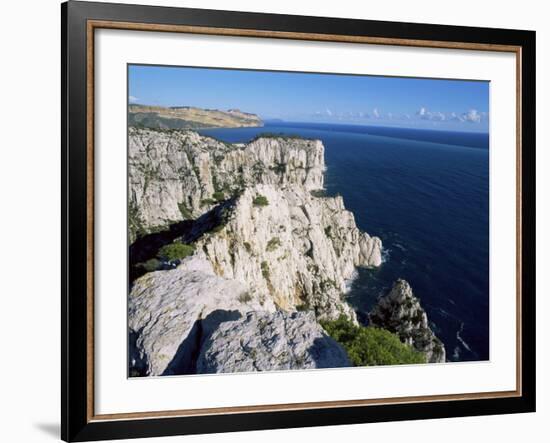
pixel 246 257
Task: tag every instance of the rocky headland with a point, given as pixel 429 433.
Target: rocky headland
pixel 400 312
pixel 189 117
pixel 242 258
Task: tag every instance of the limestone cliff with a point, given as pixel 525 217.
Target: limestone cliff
pixel 167 309
pixel 179 175
pixel 296 250
pixel 264 243
pixel 267 342
pixel 400 312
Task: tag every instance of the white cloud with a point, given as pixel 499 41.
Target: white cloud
pixel 455 117
pixel 438 116
pixel 133 99
pixel 423 112
pixel 472 116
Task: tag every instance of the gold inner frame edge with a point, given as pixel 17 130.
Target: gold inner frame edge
pixel 92 25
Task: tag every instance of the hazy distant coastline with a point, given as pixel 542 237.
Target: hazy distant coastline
pixel 188 117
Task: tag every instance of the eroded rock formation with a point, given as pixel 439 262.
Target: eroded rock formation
pixel 263 341
pixel 400 312
pixel 272 257
pixel 179 175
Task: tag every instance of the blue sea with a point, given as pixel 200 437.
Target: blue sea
pixel 426 195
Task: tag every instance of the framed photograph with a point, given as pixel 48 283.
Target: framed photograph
pixel 277 221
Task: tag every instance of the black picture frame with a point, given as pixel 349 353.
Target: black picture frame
pixel 76 422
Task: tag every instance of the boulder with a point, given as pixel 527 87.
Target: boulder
pixel 270 341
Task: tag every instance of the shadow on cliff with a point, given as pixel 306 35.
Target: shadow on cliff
pixel 186 357
pixel 148 246
pixel 138 363
pixel 328 353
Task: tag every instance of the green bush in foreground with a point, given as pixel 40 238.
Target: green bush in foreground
pixel 369 346
pixel 176 251
pixel 260 200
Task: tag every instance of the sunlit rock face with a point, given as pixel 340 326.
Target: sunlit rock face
pixel 270 341
pixel 269 248
pixel 175 175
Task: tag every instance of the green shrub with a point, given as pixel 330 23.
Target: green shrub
pixel 207 202
pixel 248 247
pixel 318 193
pixel 218 228
pixel 369 346
pixel 184 210
pixel 245 297
pixel 260 200
pixel 150 265
pixel 279 168
pixel 135 373
pixel 328 231
pixel 273 244
pixel 176 251
pixel 265 270
pixel 218 196
pixel 279 135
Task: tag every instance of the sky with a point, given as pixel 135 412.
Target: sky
pixel 421 103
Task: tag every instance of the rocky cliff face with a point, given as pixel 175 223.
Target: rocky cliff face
pixel 179 175
pixel 400 312
pixel 169 312
pixel 267 246
pixel 267 342
pixel 297 250
pixel 190 320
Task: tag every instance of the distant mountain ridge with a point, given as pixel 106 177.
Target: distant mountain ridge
pixel 189 117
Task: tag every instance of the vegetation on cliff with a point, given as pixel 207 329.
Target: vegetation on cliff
pixel 248 239
pixel 176 251
pixel 368 346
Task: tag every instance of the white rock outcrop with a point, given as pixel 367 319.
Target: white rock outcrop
pixel 173 175
pixel 266 249
pixel 270 341
pixel 400 312
pixel 165 308
pixel 297 250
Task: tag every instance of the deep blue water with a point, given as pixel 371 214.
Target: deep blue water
pixel 426 195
